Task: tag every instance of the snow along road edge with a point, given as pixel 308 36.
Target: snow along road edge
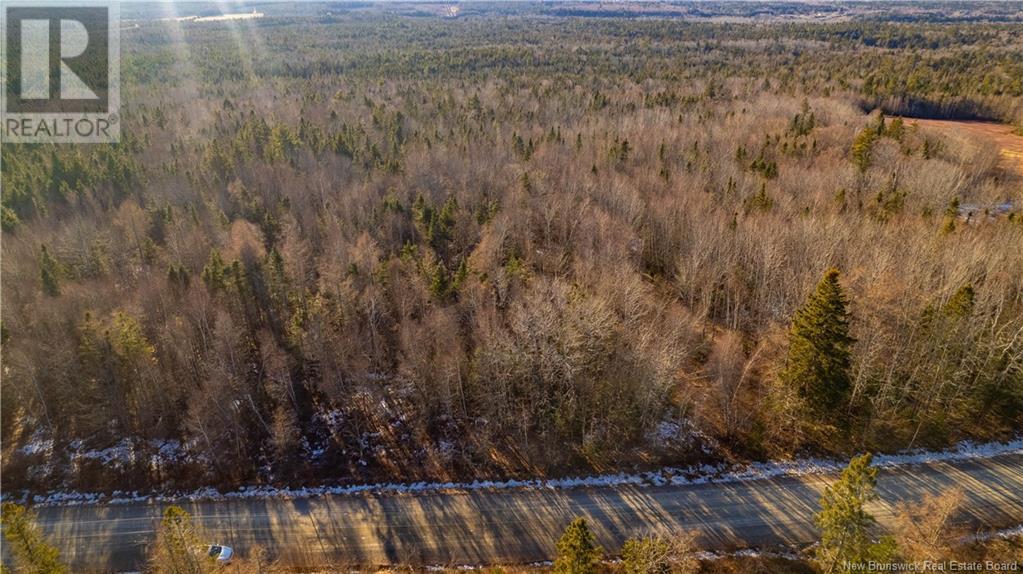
pixel 674 476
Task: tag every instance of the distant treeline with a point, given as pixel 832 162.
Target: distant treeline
pixel 946 109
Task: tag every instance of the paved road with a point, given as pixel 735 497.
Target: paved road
pixel 520 526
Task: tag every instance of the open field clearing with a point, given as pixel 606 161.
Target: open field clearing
pixel 1010 144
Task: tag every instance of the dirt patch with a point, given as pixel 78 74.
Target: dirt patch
pixel 1010 145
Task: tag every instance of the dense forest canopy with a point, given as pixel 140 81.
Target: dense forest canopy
pixel 360 244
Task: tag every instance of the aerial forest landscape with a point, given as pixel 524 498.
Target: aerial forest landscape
pixel 579 287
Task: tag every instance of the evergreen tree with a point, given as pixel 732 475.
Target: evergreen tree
pixel 759 202
pixel 214 274
pixel 460 275
pixel 518 145
pixel 896 130
pixel 446 218
pixel 619 152
pixel 951 213
pixel 960 305
pixel 879 126
pixel 178 547
pixel 178 277
pixel 863 147
pixel 439 281
pixel 819 348
pixel 527 184
pixel 578 552
pixel 8 219
pixel 49 272
pixel 31 553
pixel 927 152
pixel 845 524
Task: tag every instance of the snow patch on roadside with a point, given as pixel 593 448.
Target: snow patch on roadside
pixel 705 474
pixel 706 555
pixel 39 443
pixel 681 434
pixel 760 470
pixel 1004 534
pixel 159 455
pixel 121 454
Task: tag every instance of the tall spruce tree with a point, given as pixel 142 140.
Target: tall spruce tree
pixel 818 360
pixel 49 273
pixel 31 552
pixel 846 525
pixel 961 304
pixel 863 147
pixel 578 552
pixel 214 273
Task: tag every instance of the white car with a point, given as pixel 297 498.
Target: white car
pixel 222 554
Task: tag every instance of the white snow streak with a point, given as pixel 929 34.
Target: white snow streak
pixel 669 476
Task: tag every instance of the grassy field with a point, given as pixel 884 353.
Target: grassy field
pixel 1009 143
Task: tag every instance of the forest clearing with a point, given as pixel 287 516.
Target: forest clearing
pixel 1006 138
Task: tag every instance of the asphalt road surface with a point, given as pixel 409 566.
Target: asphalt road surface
pixel 520 526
